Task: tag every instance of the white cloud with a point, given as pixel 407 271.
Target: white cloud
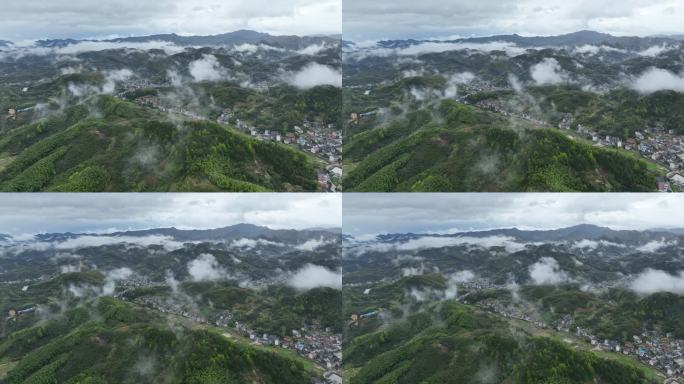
pixel 313 49
pixel 593 244
pixel 595 49
pixel 655 50
pixel 89 46
pixel 547 271
pixel 652 281
pixel 314 276
pixel 454 279
pixel 424 242
pixel 312 244
pixel 511 49
pixel 207 69
pixel 31 19
pixel 251 243
pixel 206 268
pixel 313 75
pixel 113 212
pixel 657 79
pixel 96 241
pixel 70 268
pixel 119 273
pixel 548 71
pixel 653 246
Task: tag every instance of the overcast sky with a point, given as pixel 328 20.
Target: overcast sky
pixel 22 20
pixel 31 213
pixel 391 19
pixel 366 214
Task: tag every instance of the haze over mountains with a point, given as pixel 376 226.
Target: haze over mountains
pixel 225 39
pixel 584 37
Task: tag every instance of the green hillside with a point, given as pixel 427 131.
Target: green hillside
pixel 453 343
pixel 106 144
pixel 110 341
pixel 454 147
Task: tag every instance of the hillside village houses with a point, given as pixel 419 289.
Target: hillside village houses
pixel 659 351
pixel 319 139
pixel 653 143
pixel 320 345
pixel 322 140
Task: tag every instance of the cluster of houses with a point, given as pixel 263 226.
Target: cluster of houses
pixel 661 352
pixel 322 346
pixel 171 308
pixel 660 145
pixel 155 102
pixel 319 139
pixel 657 144
pixel 312 342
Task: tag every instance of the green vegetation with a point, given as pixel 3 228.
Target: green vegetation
pixel 126 148
pixel 470 150
pixel 139 347
pixel 453 343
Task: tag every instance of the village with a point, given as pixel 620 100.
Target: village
pixel 659 351
pixel 320 345
pixel 655 144
pixel 318 139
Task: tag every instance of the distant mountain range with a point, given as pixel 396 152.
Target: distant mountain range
pixel 292 42
pixel 574 233
pixel 230 233
pixel 570 39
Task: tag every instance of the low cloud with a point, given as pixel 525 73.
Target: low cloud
pixel 207 69
pixel 97 241
pixel 313 49
pixel 511 49
pixel 454 279
pixel 653 246
pixel 595 49
pixel 252 243
pixel 657 79
pixel 653 281
pixel 548 71
pixel 254 48
pixel 314 276
pixel 111 78
pixel 593 244
pixel 312 244
pixel 547 271
pixel 89 46
pixel 425 242
pixel 655 50
pixel 119 274
pixel 313 75
pixel 206 268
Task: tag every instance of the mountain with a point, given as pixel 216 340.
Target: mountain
pixel 4 237
pixel 5 43
pixel 568 234
pixel 565 40
pixel 582 304
pixel 456 147
pixel 291 42
pixel 227 234
pixel 575 233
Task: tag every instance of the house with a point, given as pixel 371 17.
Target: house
pixel 333 378
pixel 336 171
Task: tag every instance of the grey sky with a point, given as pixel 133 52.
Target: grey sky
pixel 383 19
pixel 22 20
pixel 44 212
pixel 366 214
